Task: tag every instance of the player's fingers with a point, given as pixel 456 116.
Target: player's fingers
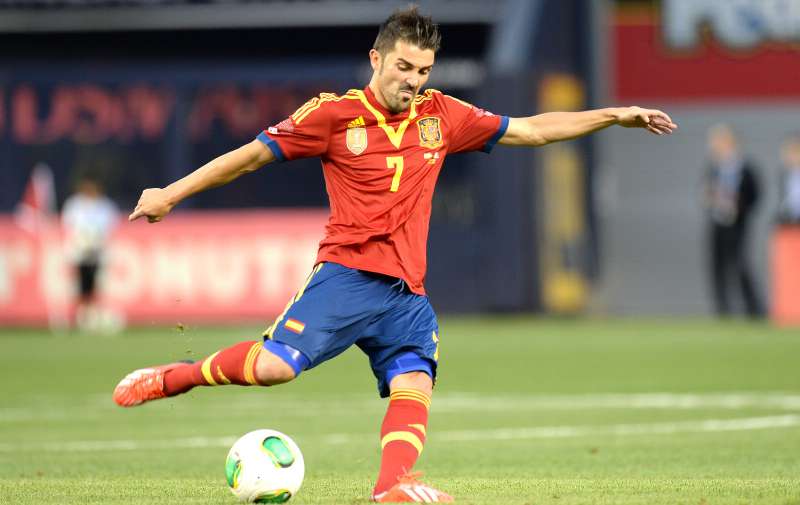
pixel 665 120
pixel 662 124
pixel 665 117
pixel 136 214
pixel 667 127
pixel 657 129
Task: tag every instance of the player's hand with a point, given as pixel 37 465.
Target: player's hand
pixel 651 120
pixel 153 204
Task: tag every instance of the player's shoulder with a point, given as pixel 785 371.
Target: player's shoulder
pixel 437 98
pixel 322 104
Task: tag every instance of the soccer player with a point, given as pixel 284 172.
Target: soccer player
pixel 381 149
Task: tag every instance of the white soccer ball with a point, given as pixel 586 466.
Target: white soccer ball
pixel 264 466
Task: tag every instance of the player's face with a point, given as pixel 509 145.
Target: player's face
pixel 791 155
pixel 400 74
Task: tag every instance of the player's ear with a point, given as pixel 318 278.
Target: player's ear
pixel 375 59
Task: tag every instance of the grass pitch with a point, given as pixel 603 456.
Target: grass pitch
pixel 526 411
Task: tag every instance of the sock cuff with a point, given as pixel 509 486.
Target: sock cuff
pixel 411 394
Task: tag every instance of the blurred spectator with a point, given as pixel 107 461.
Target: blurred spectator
pixel 88 218
pixel 731 192
pixel 789 191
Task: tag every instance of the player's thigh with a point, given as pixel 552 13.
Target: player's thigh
pixel 326 316
pixel 403 340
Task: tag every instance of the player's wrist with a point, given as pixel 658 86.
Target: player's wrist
pixel 616 114
pixel 171 196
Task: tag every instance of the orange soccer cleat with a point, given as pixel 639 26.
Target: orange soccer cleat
pixel 409 489
pixel 142 385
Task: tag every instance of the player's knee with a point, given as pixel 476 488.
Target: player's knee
pixel 418 380
pixel 271 370
pixel 278 363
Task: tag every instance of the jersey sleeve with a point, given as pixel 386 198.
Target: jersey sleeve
pixel 473 129
pixel 304 134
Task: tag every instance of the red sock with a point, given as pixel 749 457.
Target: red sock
pixel 233 365
pixel 402 435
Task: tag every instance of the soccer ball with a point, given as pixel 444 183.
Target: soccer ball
pixel 264 466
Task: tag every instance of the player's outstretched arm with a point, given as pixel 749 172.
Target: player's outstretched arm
pixel 550 127
pixel 155 203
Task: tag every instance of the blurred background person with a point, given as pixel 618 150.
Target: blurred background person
pixel 88 218
pixel 731 192
pixel 789 189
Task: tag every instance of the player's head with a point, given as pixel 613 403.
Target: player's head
pixel 402 57
pixel 723 143
pixel 89 186
pixel 790 151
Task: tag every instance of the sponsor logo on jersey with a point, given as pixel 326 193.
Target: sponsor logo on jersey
pixel 430 135
pixel 357 136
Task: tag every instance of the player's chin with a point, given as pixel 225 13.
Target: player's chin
pixel 401 104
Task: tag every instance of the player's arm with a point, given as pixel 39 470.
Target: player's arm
pixel 155 203
pixel 550 127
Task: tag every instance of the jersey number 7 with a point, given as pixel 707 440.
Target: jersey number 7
pixel 395 162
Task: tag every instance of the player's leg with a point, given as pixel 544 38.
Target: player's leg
pixel 403 434
pixel 246 364
pixel 403 355
pixel 85 312
pixel 314 327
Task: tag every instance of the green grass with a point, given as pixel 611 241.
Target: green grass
pixel 526 411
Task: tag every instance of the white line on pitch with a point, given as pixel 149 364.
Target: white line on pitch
pixel 708 425
pixel 454 402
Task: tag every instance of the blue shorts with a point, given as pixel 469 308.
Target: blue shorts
pixel 340 306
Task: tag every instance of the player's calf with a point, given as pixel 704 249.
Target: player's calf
pixel 246 363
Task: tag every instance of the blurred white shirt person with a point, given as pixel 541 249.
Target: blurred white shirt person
pixel 88 218
pixel 789 210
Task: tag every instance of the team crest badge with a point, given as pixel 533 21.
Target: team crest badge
pixel 357 136
pixel 430 135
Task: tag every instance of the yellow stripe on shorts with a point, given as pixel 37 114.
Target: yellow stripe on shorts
pixel 271 330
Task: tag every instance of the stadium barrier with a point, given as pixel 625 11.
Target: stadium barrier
pixel 786 276
pixel 209 267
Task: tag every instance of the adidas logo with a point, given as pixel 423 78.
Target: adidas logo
pixel 357 123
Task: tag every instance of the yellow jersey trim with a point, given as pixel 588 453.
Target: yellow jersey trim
pixel 395 136
pixel 315 103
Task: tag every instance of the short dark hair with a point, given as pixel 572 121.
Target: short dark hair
pixel 409 26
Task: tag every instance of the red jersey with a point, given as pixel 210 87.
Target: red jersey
pixel 380 171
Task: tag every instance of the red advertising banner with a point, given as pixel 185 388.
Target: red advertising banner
pixel 193 267
pixel 704 50
pixel 785 271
